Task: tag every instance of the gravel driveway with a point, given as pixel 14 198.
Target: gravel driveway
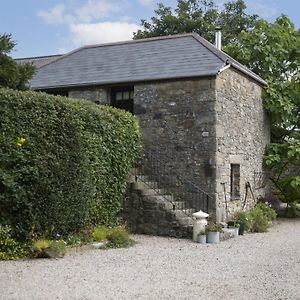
pixel 254 266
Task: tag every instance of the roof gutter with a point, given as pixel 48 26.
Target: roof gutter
pixel 228 65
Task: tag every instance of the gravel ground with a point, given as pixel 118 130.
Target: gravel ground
pixel 254 266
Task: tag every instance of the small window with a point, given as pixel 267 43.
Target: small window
pixel 126 95
pixel 119 96
pixel 122 97
pixel 235 181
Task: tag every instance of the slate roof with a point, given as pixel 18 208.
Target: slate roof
pixel 170 57
pixel 38 61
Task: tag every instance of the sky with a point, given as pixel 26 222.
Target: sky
pixel 47 27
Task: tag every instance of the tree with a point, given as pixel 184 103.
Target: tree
pixel 200 16
pixel 12 74
pixel 272 50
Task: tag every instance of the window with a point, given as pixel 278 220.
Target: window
pixel 122 97
pixel 235 181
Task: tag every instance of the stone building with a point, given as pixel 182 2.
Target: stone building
pixel 200 111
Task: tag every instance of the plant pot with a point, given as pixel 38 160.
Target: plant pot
pixel 201 238
pixel 242 227
pixel 235 230
pixel 213 237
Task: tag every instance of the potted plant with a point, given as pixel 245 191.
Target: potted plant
pixel 213 232
pixel 235 225
pixel 241 218
pixel 201 238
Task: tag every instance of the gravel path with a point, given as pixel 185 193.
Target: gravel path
pixel 254 266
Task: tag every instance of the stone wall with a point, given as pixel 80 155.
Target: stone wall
pixel 94 94
pixel 178 125
pixel 242 132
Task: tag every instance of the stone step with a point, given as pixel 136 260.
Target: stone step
pixel 138 185
pixel 149 192
pixel 142 178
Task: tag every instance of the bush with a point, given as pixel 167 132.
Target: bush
pixel 63 163
pixel 268 211
pixel 10 248
pixel 40 245
pixel 119 237
pixel 49 249
pixel 258 221
pixel 260 217
pixel 100 233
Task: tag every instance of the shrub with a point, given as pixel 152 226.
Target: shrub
pixel 268 211
pixel 63 163
pixel 41 245
pixel 58 247
pixel 258 221
pixel 48 249
pixel 100 233
pixel 9 247
pixel 119 237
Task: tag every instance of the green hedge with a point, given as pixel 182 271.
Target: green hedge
pixel 63 163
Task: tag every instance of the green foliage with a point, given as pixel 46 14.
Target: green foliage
pixel 40 245
pixel 281 159
pixel 12 74
pixel 200 16
pixel 258 221
pixel 119 238
pixel 48 249
pixel 9 247
pixel 63 163
pixel 241 216
pixel 58 247
pixel 78 239
pixel 213 227
pixel 260 217
pixel 100 233
pixel 267 210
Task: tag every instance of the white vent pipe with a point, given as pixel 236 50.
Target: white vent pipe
pixel 218 38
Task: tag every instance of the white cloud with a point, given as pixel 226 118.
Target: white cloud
pixel 146 2
pixel 56 15
pixel 95 10
pixel 83 34
pixel 87 24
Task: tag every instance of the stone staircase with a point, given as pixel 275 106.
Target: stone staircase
pixel 149 209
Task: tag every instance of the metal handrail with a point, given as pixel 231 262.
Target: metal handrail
pixel 186 195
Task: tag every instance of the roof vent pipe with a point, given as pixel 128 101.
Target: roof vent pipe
pixel 218 38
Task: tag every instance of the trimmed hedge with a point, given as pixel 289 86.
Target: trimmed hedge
pixel 63 163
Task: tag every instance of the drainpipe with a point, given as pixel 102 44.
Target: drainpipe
pixel 218 38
